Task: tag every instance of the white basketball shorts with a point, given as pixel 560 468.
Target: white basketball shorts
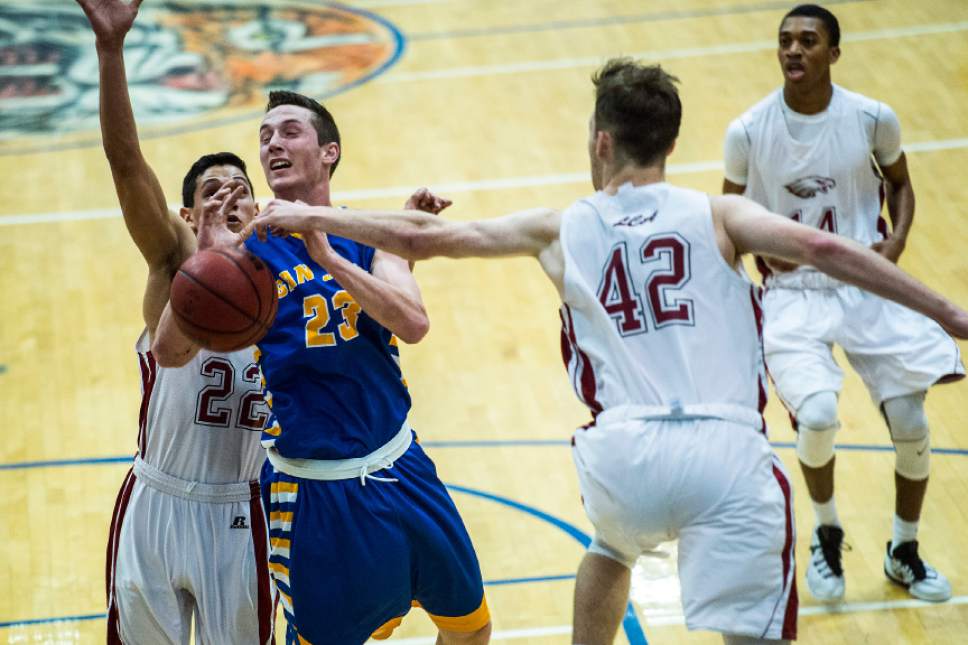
pixel 896 351
pixel 716 486
pixel 201 550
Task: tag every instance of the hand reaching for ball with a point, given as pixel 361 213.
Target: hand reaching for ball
pixel 213 228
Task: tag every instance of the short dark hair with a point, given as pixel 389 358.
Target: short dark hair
pixel 204 163
pixel 828 19
pixel 639 105
pixel 322 120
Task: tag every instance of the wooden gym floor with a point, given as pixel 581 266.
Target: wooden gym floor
pixel 488 102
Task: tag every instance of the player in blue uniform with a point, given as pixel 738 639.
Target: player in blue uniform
pixel 361 528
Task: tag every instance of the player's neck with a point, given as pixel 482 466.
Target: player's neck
pixel 315 195
pixel 632 174
pixel 812 99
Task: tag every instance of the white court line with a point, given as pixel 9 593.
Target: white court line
pixel 657 55
pixel 816 610
pixel 451 188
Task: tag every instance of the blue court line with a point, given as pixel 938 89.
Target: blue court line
pixel 630 623
pixel 399 42
pixel 67 619
pixel 521 581
pixel 46 621
pixel 472 443
pixel 562 25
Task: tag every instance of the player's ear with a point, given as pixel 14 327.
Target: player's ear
pixel 834 54
pixel 672 148
pixel 186 214
pixel 330 153
pixel 604 148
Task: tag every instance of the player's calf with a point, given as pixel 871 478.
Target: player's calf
pixel 903 565
pixel 480 637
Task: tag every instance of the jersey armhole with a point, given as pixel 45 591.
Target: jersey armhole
pixel 567 216
pixel 736 273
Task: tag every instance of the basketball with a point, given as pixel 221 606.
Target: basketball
pixel 224 299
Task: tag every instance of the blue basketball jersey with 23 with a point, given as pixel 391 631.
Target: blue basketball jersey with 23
pixel 335 387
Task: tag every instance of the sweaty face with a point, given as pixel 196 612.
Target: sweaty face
pixel 804 50
pixel 289 150
pixel 209 183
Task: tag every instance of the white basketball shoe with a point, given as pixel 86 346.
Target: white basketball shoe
pixel 825 575
pixel 904 566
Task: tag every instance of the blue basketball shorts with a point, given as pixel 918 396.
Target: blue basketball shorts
pixel 350 560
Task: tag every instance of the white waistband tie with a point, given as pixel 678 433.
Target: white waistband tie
pixel 363 468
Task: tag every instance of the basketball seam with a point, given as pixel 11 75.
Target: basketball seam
pixel 238 266
pixel 252 321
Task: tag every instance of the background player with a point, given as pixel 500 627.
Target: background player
pixel 660 333
pixel 354 544
pixel 188 536
pixel 806 152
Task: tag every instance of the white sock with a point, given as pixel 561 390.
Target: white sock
pixel 903 532
pixel 826 513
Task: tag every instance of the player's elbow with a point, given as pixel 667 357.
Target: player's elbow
pixel 822 249
pixel 166 354
pixel 414 328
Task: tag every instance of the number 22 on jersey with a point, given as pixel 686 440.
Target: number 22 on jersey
pixel 668 255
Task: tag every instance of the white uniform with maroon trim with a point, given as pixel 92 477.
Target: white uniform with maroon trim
pixel 661 339
pixel 819 170
pixel 188 535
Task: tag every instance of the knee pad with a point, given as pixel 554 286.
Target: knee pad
pixel 909 432
pixel 816 428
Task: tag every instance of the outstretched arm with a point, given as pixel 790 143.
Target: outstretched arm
pixel 418 236
pixel 750 228
pixel 162 237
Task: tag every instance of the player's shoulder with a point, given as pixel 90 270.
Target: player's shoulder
pixel 755 115
pixel 861 103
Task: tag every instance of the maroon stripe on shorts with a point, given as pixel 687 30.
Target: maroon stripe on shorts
pixel 114 535
pixel 789 563
pixel 259 529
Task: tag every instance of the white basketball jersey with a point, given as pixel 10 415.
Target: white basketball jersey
pixel 653 315
pixel 202 422
pixel 829 182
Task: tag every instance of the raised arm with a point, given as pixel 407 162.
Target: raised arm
pixel 750 228
pixel 162 237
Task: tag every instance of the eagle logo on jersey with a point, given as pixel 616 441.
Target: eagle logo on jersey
pixel 807 187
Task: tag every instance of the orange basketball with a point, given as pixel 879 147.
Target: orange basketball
pixel 224 299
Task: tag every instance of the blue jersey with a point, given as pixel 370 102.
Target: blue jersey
pixel 332 373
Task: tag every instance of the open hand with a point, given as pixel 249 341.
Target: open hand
pixel 110 19
pixel 281 217
pixel 213 228
pixel 426 201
